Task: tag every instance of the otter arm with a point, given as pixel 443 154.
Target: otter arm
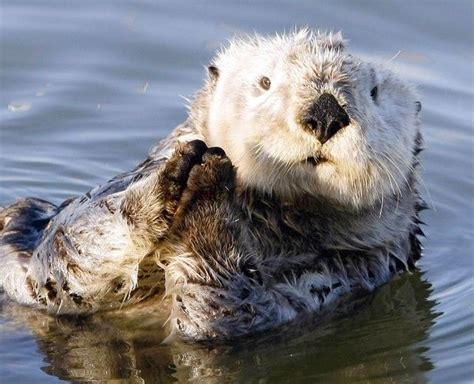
pixel 98 251
pixel 220 289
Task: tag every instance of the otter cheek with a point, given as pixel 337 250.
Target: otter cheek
pixel 219 125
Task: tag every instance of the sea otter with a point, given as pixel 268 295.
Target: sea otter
pixel 291 184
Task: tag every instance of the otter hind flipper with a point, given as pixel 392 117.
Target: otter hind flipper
pixel 21 230
pixel 22 225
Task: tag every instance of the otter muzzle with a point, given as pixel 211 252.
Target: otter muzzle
pixel 325 118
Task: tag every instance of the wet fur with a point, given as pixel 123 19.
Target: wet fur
pixel 240 242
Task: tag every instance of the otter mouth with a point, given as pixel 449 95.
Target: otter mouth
pixel 314 160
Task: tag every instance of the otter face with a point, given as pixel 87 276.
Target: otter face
pixel 296 114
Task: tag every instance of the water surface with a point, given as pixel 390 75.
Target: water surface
pixel 86 89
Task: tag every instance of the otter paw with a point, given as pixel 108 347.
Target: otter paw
pixel 178 167
pixel 196 173
pixel 213 177
pixel 150 209
pixel 210 182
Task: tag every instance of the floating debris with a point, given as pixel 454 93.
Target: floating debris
pixel 40 93
pixel 15 106
pixel 144 87
pixel 98 106
pixel 131 20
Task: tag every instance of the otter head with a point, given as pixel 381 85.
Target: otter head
pixel 297 114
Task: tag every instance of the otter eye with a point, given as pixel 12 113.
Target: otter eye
pixel 265 83
pixel 373 93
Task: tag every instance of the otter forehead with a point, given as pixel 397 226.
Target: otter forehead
pixel 305 55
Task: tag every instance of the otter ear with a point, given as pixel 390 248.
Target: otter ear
pixel 213 73
pixel 331 40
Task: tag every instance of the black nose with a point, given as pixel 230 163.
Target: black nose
pixel 325 117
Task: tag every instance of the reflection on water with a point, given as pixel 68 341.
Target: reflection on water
pixel 382 339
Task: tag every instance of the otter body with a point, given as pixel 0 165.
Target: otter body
pixel 292 184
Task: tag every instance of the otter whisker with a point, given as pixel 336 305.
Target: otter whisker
pixel 390 178
pixel 381 206
pixel 397 168
pixel 394 56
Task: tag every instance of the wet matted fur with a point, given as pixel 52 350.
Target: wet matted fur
pixel 315 197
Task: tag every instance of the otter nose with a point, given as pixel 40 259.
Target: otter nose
pixel 326 117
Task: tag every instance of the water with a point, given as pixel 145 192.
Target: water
pixel 87 87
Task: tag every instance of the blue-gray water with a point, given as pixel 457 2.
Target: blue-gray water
pixel 88 86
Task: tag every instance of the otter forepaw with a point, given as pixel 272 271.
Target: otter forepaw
pixel 214 176
pixel 195 173
pixel 150 209
pixel 210 182
pixel 178 167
